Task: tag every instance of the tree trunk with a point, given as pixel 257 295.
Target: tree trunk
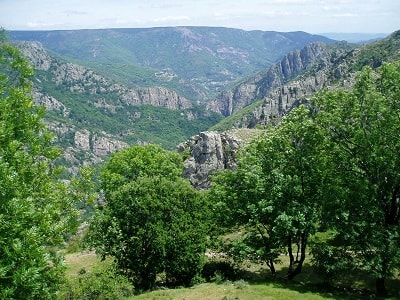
pixel 271 266
pixel 303 244
pixel 380 287
pixel 291 257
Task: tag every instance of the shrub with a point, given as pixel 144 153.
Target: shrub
pixel 101 283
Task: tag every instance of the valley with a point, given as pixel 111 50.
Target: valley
pixel 280 196
pixel 106 89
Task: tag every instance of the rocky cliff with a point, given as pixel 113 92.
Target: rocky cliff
pixel 297 77
pixel 93 116
pixel 261 86
pixel 80 79
pixel 209 152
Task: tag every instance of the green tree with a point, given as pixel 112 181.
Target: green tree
pixel 275 191
pixel 36 212
pixel 153 221
pixel 363 125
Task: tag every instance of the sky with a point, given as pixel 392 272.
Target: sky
pixel 313 16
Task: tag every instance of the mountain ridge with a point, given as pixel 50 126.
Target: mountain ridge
pixel 197 61
pixel 94 116
pixel 336 65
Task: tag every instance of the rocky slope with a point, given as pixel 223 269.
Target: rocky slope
pixel 196 62
pixel 295 63
pixel 297 77
pixel 80 79
pixel 209 152
pixel 94 116
pixel 285 85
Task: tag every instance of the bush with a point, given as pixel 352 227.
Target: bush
pixel 329 262
pixel 101 283
pixel 219 271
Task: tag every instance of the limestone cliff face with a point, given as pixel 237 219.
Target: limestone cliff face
pixel 208 153
pixel 155 96
pixel 36 54
pixel 292 81
pixel 269 84
pixel 99 144
pixel 50 103
pixel 80 79
pixel 329 72
pixel 81 145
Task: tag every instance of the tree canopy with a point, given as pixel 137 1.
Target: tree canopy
pixel 153 221
pixel 363 125
pixel 275 192
pixel 330 166
pixel 36 211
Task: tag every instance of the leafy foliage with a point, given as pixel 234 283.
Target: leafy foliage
pixel 36 211
pixel 153 220
pixel 101 283
pixel 363 126
pixel 331 167
pixel 274 193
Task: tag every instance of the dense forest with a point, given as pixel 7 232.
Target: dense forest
pixel 321 188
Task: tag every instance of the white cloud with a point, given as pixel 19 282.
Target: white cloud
pixel 39 25
pixel 172 18
pixel 75 12
pixel 282 15
pixel 345 15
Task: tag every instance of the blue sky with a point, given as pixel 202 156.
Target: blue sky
pixel 313 16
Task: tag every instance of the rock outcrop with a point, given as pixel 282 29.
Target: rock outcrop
pixel 100 144
pixel 267 84
pixel 210 152
pixel 82 146
pixel 79 79
pixel 207 153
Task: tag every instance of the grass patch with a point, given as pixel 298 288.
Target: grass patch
pixel 235 290
pixel 251 282
pixel 77 261
pixel 91 279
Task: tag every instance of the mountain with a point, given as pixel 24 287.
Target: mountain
pixel 264 98
pixel 107 89
pixel 257 87
pixel 196 62
pixel 94 116
pixel 274 92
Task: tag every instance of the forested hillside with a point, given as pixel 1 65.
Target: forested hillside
pixel 196 62
pixel 106 89
pixel 94 116
pixel 269 95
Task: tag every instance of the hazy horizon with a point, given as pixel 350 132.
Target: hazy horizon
pixel 320 16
